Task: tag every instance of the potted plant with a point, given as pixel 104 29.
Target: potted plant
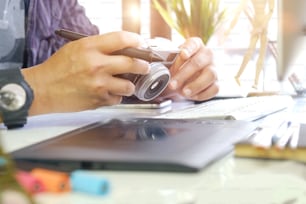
pixel 189 18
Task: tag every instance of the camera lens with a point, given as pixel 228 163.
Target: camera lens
pixel 151 85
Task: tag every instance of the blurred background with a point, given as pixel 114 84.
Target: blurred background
pixel 140 16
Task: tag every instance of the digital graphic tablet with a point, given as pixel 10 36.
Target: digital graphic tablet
pixel 180 145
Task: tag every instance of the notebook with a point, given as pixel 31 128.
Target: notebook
pixel 181 145
pixel 298 153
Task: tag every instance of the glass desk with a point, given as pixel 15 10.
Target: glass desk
pixel 227 181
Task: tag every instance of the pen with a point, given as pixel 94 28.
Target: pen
pixel 268 128
pixel 144 54
pixel 281 131
pixel 262 139
pixel 295 138
pixel 69 35
pixel 284 140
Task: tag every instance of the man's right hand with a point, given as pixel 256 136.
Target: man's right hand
pixel 82 74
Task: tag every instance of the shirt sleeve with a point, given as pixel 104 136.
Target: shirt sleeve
pixel 74 18
pixel 44 17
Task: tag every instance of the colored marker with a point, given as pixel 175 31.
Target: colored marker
pixel 54 181
pixel 85 182
pixel 30 183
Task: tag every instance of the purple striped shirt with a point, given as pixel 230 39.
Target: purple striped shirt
pixel 46 16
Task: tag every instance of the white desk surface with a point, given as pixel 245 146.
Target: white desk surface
pixel 228 181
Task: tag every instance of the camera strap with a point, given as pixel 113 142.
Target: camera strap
pixel 12 33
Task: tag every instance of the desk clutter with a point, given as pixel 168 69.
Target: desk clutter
pixel 280 141
pixel 44 180
pixel 17 186
pixel 10 190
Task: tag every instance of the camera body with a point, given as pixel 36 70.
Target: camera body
pixel 161 55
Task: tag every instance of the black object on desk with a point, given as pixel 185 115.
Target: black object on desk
pixel 137 144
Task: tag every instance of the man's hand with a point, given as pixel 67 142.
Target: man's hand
pixel 83 75
pixel 193 75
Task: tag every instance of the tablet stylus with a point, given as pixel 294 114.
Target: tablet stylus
pixel 144 54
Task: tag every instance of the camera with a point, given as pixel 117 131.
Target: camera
pixel 160 54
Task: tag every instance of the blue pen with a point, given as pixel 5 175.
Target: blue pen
pixel 86 182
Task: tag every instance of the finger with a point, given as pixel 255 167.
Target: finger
pixel 116 65
pixel 121 87
pixel 107 84
pixel 110 42
pixel 199 82
pixel 189 48
pixel 94 61
pixel 196 63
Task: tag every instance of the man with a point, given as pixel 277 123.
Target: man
pixel 81 75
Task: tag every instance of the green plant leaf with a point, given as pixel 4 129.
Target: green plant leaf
pixel 192 18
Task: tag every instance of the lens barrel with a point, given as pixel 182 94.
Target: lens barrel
pixel 149 86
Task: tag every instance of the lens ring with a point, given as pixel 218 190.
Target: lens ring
pixel 151 85
pixel 156 87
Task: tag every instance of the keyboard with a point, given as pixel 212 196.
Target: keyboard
pixel 248 108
